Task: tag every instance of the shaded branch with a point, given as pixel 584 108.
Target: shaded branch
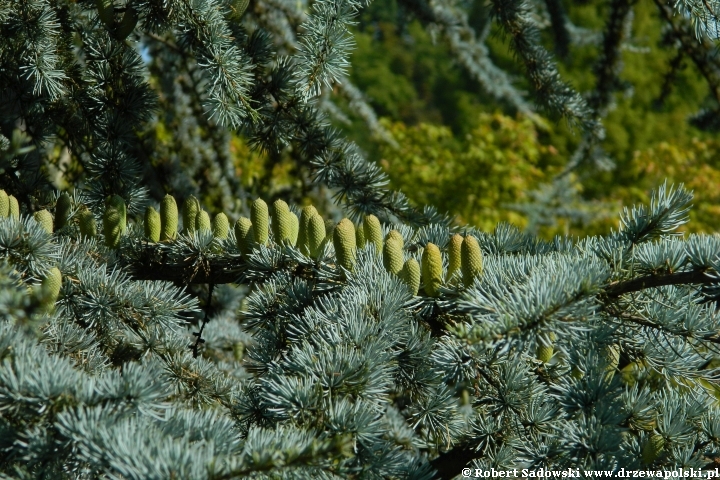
pixel 616 289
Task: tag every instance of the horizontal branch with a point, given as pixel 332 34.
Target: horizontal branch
pixel 616 289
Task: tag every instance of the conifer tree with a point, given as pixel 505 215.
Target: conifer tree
pixel 131 348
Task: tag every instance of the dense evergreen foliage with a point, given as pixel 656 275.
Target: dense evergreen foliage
pixel 160 319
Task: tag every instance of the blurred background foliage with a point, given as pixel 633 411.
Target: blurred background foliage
pixel 458 148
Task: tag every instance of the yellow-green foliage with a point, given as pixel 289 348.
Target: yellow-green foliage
pixel 220 226
pixel 260 221
pixel 112 227
pixel 168 218
pixel 4 204
pixel 63 206
pixel 152 225
pixel 14 210
pixel 373 231
pixel 88 226
pixel 653 448
pixel 50 288
pixel 191 207
pixel 44 218
pixel 360 236
pixel 410 274
pixel 244 235
pixel 454 255
pixel 281 222
pixel 316 235
pixel 202 221
pixel 393 257
pixel 305 215
pixel 118 203
pixel 471 260
pixel 344 241
pixel 432 270
pixel 497 163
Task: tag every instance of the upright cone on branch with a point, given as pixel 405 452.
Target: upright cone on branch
pixel 281 222
pixel 63 206
pixel 244 235
pixel 393 256
pixel 302 241
pixel 118 203
pixel 202 222
pixel 471 260
pixel 373 232
pixel 432 270
pixel 260 220
pixel 152 225
pixel 454 255
pixel 191 208
pixel 410 274
pixel 652 448
pixel 220 226
pixel 88 226
pixel 14 211
pixel 316 235
pixel 112 227
pixel 45 219
pixel 106 11
pixel 168 218
pixel 50 288
pixel 128 22
pixel 4 204
pixel 344 241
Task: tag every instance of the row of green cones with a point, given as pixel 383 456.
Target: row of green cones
pixel 309 233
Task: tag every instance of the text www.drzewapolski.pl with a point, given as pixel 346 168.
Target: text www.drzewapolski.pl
pixel 577 473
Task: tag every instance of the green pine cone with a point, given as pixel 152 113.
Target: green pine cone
pixel 471 260
pixel 652 449
pixel 63 206
pixel 220 226
pixel 118 203
pixel 281 222
pixel 88 227
pixel 432 270
pixel 393 256
pixel 112 227
pixel 359 236
pixel 50 288
pixel 202 222
pixel 305 215
pixel 168 218
pixel 4 204
pixel 344 241
pixel 410 274
pixel 152 225
pixel 45 219
pixel 237 8
pixel 544 352
pixel 454 255
pixel 259 217
pixel 244 235
pixel 316 236
pixel 14 210
pixel 373 232
pixel 294 228
pixel 128 22
pixel 395 235
pixel 191 207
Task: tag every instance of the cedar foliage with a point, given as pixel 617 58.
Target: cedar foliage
pixel 196 351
